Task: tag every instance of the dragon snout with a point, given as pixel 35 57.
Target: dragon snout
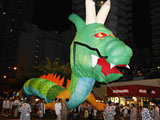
pixel 121 51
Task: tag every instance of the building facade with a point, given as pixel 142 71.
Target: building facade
pixel 155 29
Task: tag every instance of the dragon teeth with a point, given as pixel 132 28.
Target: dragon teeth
pixel 94 60
pixel 127 66
pixel 112 65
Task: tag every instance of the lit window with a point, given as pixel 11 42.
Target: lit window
pixel 36 56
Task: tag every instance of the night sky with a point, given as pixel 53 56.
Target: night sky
pixel 52 14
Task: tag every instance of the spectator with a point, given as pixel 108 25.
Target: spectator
pixel 145 113
pixel 94 112
pixel 25 110
pixel 125 111
pixel 109 112
pixel 90 111
pixel 85 109
pixel 57 107
pixel 41 109
pixel 133 112
pixel 65 109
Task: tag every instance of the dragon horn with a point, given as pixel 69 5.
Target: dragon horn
pixel 90 12
pixel 103 12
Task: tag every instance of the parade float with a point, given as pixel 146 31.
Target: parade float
pixel 95 55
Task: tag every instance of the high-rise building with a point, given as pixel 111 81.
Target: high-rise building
pixel 155 29
pixel 15 16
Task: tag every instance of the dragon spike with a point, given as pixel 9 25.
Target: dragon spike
pixel 61 82
pixel 103 12
pixel 68 82
pixel 90 12
pixel 54 77
pixel 58 78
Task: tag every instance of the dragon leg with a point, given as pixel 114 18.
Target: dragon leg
pixel 63 95
pixel 92 100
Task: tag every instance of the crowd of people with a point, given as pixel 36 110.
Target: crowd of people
pixel 23 108
pixel 130 112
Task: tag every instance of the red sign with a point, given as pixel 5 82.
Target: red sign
pixel 133 90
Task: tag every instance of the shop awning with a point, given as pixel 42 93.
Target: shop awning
pixel 133 90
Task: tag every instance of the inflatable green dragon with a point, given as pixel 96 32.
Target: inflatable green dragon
pixel 95 54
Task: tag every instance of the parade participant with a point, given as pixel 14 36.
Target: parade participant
pixel 155 112
pixel 10 106
pixel 4 106
pixel 109 112
pixel 65 109
pixel 25 110
pixel 133 112
pixel 7 107
pixel 57 107
pixel 145 113
pixel 41 109
pixel 17 106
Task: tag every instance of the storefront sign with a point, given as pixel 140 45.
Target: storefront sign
pixel 145 91
pixel 121 91
pixel 133 90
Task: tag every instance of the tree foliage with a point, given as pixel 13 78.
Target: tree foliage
pixel 47 66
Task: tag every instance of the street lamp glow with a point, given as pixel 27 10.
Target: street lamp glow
pixel 4 76
pixel 15 68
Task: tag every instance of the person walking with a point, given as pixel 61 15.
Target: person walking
pixel 133 112
pixel 145 113
pixel 25 110
pixel 57 107
pixel 41 109
pixel 65 109
pixel 109 112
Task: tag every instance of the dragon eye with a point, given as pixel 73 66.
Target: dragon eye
pixel 100 35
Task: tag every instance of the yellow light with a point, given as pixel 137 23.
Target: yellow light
pixel 101 2
pixel 4 13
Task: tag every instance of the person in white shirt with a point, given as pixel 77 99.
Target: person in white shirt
pixel 17 104
pixel 155 112
pixel 10 106
pixel 4 106
pixel 57 107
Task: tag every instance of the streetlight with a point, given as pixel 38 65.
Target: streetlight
pixel 14 68
pixel 4 76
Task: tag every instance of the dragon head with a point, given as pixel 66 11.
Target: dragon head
pixel 95 52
